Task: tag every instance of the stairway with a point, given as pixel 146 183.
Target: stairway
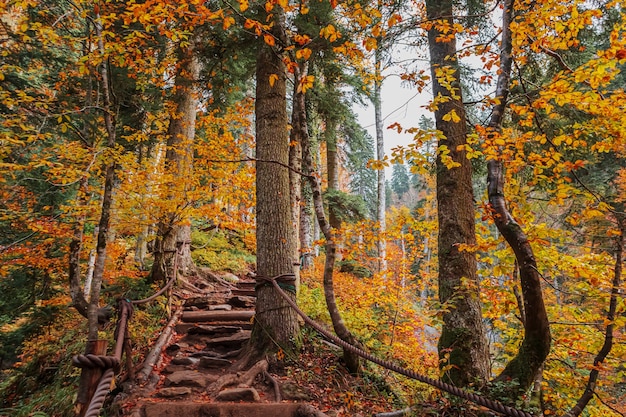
pixel 195 380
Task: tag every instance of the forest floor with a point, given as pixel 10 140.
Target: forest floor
pixel 199 368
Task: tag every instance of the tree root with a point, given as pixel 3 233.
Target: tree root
pixel 245 379
pixel 275 385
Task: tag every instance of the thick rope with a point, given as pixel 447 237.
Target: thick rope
pixel 91 361
pixel 101 392
pixel 456 391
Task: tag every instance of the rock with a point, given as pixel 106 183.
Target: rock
pixel 221 307
pixel 294 392
pixel 206 353
pixel 198 302
pixel 235 340
pixel 189 379
pixel 184 361
pixel 172 349
pixel 174 392
pixel 213 330
pixel 170 369
pixel 207 362
pixel 241 301
pixel 228 277
pixel 239 394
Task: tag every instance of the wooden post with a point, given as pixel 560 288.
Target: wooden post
pixel 89 378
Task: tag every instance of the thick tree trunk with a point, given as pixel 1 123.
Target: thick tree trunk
pixel 380 155
pixel 332 167
pixel 332 160
pixel 174 230
pixel 463 334
pixel 275 324
pixel 523 368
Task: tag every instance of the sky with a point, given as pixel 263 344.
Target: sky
pixel 400 104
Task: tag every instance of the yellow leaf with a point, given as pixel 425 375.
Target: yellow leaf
pixel 370 43
pixel 452 116
pixel 305 83
pixel 228 22
pixel 273 78
pixel 243 5
pixel 304 53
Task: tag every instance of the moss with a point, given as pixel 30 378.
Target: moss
pixel 221 251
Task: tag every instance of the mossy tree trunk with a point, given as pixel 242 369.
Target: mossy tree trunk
pixel 463 335
pixel 174 231
pixel 275 324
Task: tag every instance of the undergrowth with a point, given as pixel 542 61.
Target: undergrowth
pixel 44 382
pixel 221 251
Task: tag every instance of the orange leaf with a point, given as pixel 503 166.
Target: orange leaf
pixel 273 78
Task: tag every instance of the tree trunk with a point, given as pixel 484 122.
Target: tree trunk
pixel 380 155
pixel 332 166
pixel 295 182
pixel 174 231
pixel 306 228
pixel 275 324
pixel 523 368
pixel 299 130
pixel 463 335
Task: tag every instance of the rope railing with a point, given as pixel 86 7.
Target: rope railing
pixel 111 364
pixel 451 389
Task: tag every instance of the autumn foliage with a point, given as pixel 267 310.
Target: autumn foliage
pixel 562 144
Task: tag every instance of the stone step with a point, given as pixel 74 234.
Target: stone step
pixel 246 285
pixel 234 341
pixel 209 316
pixel 182 328
pixel 208 330
pixel 191 409
pixel 244 292
pixel 242 301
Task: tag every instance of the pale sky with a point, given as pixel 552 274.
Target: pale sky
pixel 400 104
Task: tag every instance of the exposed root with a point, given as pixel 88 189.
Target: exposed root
pixel 275 385
pixel 242 380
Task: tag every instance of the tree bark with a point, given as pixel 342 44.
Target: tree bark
pixel 523 368
pixel 380 155
pixel 300 130
pixel 174 231
pixel 275 325
pixel 298 125
pixel 463 334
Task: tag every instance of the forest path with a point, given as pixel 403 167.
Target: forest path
pixel 199 376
